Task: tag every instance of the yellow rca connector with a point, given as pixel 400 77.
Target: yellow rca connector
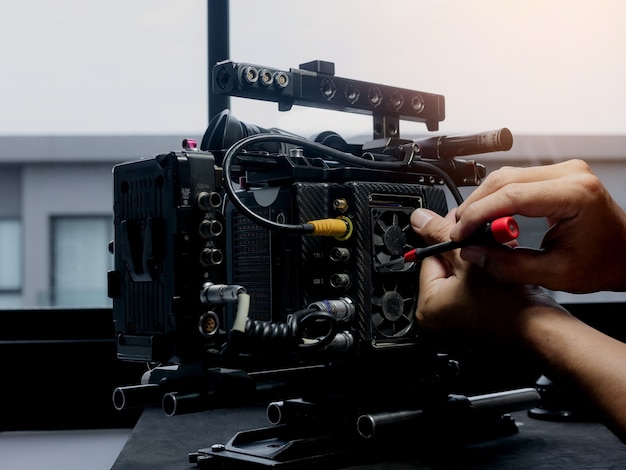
pixel 341 228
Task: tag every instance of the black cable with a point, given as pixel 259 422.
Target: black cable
pixel 230 191
pixel 290 334
pixel 235 149
pixel 315 316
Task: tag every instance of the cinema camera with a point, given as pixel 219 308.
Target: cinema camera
pixel 261 267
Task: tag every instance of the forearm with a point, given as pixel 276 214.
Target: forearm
pixel 594 362
pixel 455 295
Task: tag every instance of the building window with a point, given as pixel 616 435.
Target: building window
pixel 80 261
pixel 10 263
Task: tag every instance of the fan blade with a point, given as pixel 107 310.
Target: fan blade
pixel 378 240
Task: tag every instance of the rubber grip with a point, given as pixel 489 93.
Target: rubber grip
pixel 504 229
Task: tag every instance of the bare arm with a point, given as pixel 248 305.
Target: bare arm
pixel 590 360
pixel 456 295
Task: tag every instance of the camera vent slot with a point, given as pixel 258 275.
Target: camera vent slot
pixel 251 261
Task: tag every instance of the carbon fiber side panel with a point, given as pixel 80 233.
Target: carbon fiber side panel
pixel 384 296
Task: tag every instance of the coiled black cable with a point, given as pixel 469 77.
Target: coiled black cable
pixel 291 335
pixel 275 335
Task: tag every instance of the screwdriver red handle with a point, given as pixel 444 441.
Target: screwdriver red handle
pixel 501 230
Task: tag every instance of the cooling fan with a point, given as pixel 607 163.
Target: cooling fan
pixel 393 293
pixel 393 308
pixel 392 236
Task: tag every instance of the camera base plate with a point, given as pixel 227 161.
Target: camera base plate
pixel 308 445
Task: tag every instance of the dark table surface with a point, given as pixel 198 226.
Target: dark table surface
pixel 160 442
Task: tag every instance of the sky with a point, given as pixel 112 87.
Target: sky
pixel 140 66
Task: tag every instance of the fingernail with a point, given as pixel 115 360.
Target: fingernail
pixel 474 255
pixel 419 218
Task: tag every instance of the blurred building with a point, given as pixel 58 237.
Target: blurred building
pixel 56 206
pixel 56 215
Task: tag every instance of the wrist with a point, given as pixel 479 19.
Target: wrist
pixel 544 329
pixel 538 318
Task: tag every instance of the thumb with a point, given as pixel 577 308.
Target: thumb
pixel 431 226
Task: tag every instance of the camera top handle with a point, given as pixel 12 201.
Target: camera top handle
pixel 314 84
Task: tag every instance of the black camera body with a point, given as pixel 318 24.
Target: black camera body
pixel 164 251
pixel 265 266
pixel 175 231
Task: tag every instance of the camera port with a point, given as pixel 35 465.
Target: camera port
pixel 417 103
pixel 375 96
pixel 207 201
pixel 342 309
pixel 340 280
pixel 340 204
pixel 281 79
pixel 396 101
pixel 351 93
pixel 250 74
pixel 211 257
pixel 342 341
pixel 208 324
pixel 210 228
pixel 339 254
pixel 328 89
pixel 266 77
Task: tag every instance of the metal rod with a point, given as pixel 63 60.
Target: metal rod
pixel 371 424
pixel 218 50
pixel 136 396
pixel 507 401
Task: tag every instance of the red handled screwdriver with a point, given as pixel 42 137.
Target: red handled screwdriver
pixel 500 230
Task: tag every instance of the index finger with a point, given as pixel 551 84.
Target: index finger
pixel 532 192
pixel 535 199
pixel 509 175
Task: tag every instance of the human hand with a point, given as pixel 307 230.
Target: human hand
pixel 584 249
pixel 456 295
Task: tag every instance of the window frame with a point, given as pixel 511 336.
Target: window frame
pixel 54 261
pixel 17 290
